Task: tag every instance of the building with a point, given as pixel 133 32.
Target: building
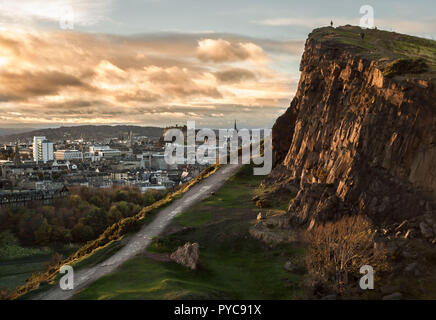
pixel 42 150
pixel 103 152
pixel 68 155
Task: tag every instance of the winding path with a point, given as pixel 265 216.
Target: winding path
pixel 138 242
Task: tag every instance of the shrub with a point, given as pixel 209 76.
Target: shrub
pixel 404 66
pixel 112 233
pixel 263 203
pixel 4 294
pixel 337 250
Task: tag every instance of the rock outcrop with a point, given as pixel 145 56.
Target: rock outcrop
pixel 356 139
pixel 187 256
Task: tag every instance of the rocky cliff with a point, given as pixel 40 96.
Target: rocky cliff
pixel 360 133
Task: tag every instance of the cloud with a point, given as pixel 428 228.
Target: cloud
pixel 235 75
pixel 220 50
pixel 75 77
pixel 21 86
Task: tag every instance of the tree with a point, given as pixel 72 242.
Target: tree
pixel 42 235
pixel 96 219
pixel 82 233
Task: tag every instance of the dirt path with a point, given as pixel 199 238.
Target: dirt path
pixel 138 242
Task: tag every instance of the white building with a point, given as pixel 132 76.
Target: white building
pixel 68 155
pixel 103 152
pixel 42 149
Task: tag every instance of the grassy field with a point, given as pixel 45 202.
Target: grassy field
pixel 388 47
pixel 232 264
pixel 15 271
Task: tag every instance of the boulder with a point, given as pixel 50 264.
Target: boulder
pixel 187 255
pixel 289 266
pixel 426 231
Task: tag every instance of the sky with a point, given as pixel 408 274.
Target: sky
pixel 164 62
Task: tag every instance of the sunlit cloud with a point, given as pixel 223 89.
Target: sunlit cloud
pixel 78 78
pixel 220 50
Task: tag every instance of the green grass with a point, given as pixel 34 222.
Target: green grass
pixel 237 192
pixel 193 218
pixel 382 45
pixel 14 272
pixel 99 255
pixel 232 264
pixel 116 232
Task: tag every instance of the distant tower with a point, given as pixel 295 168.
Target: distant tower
pixel 331 23
pixel 236 129
pixel 16 153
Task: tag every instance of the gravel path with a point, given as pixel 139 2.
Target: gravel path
pixel 138 242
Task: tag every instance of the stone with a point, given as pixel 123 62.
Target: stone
pixel 426 231
pixel 289 266
pixel 411 267
pixel 187 255
pixel 393 296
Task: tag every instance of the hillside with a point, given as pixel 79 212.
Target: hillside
pixel 359 138
pixel 88 132
pixel 356 137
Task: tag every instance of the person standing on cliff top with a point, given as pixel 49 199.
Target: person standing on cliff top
pixel 331 23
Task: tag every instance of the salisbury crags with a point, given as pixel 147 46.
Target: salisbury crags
pixel 360 133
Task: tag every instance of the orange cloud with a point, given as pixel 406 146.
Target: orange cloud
pixel 72 77
pixel 219 50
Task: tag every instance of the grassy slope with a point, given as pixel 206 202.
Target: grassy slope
pixel 382 45
pixel 103 247
pixel 15 271
pixel 233 265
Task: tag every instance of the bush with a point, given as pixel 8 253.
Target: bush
pixel 404 66
pixel 263 203
pixel 337 250
pixel 112 233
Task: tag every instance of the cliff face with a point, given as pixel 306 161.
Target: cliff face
pixel 357 137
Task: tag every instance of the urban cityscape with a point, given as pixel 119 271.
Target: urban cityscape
pixel 42 169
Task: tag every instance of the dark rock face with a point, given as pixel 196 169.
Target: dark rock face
pixel 355 141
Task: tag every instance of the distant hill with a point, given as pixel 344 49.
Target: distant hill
pixel 87 132
pixel 9 131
